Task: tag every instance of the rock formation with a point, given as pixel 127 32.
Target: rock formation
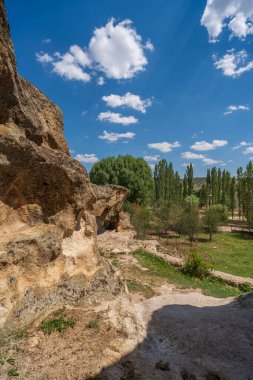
pixel 48 246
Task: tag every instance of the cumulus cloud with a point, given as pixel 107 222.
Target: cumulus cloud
pixel 210 161
pixel 155 158
pixel 101 81
pixel 117 118
pixel 113 137
pixel 242 144
pixel 192 156
pixel 43 57
pixel 116 50
pixel 164 147
pixel 86 158
pixel 232 109
pixel 233 64
pixel 128 100
pixel 236 15
pixel 204 145
pixel 248 150
pixel 72 64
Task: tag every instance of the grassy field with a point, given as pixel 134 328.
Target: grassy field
pixel 158 268
pixel 229 252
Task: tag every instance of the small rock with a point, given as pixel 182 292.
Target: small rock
pixel 163 365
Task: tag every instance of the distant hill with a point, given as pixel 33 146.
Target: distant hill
pixel 198 182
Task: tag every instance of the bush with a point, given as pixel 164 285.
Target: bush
pixel 196 266
pixel 246 287
pixel 59 323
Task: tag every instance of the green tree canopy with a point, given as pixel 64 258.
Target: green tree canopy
pixel 133 173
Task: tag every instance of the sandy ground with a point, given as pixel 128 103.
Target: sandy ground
pixel 181 335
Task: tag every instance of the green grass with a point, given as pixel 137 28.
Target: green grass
pixel 59 322
pixel 159 268
pixel 137 287
pixel 229 252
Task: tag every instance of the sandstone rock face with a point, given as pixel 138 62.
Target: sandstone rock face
pixel 48 245
pixel 109 203
pixel 38 119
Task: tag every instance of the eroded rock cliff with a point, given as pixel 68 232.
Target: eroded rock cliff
pixel 48 245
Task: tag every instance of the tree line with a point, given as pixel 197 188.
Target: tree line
pixel 165 189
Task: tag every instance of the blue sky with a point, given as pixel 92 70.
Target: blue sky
pixel 172 88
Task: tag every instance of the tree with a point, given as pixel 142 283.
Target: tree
pixel 232 196
pixel 189 223
pixel 213 218
pixel 189 176
pixel 130 172
pixel 191 201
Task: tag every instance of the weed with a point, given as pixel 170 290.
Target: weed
pixel 13 372
pixel 101 252
pixel 94 323
pixel 7 359
pixel 60 322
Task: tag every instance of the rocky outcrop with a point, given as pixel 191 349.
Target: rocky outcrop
pixel 48 246
pixel 38 119
pixel 109 203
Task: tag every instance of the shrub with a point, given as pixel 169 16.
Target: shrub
pixel 196 266
pixel 59 323
pixel 245 287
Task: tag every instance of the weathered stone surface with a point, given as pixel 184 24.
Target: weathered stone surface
pixel 48 244
pixel 39 120
pixel 107 208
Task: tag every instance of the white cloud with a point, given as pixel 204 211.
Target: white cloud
pixel 185 165
pixel 231 109
pixel 248 150
pixel 128 100
pixel 44 57
pixel 117 118
pixel 71 65
pixel 113 137
pixel 192 156
pixel 46 41
pixel 83 113
pixel 164 147
pixel 152 166
pixel 236 15
pixel 233 64
pixel 210 161
pixel 149 46
pixel 241 145
pixel 101 81
pixel 155 158
pixel 86 158
pixel 204 145
pixel 116 50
